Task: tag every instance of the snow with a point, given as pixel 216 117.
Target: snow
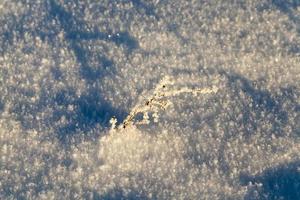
pixel 149 99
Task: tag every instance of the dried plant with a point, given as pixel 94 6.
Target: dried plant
pixel 159 100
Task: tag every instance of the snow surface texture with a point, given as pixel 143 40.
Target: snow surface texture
pixel 68 67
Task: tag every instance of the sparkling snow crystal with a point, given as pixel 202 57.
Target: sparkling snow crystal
pixel 149 99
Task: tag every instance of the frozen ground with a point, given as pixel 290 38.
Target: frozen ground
pixel 68 67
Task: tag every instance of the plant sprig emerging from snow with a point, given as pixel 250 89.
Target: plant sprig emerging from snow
pixel 160 100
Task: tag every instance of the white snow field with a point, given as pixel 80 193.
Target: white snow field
pixel 150 99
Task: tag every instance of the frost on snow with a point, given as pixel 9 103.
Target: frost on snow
pixel 149 99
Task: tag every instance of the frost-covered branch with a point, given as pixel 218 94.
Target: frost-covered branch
pixel 160 100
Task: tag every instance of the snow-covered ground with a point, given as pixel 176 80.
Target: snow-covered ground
pixel 149 99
